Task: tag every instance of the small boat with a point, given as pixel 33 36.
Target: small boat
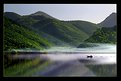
pixel 89 56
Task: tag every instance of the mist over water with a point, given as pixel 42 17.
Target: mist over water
pixel 101 54
pixel 98 48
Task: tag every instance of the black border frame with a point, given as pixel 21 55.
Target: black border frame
pixel 61 2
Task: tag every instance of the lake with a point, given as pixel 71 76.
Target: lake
pixel 97 60
pixel 101 54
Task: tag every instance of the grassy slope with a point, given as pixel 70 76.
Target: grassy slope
pixel 16 36
pixel 104 35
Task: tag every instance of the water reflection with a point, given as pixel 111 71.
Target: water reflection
pixel 101 54
pixel 100 59
pixel 96 59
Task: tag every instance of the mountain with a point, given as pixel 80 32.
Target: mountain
pixel 17 36
pixel 104 35
pixel 40 13
pixel 107 33
pixel 53 30
pixel 110 21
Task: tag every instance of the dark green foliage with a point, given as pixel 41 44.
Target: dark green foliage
pixel 104 35
pixel 16 36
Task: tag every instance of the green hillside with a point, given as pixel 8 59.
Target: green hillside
pixel 17 36
pixel 85 26
pixel 104 35
pixel 63 31
pixel 55 31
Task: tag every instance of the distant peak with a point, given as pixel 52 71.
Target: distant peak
pixel 38 13
pixel 110 21
pixel 112 14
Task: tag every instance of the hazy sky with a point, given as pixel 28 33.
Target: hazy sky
pixel 88 12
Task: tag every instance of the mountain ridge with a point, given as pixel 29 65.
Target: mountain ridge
pixel 56 31
pixel 40 13
pixel 109 21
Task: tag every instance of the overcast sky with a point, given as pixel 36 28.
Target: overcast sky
pixel 88 12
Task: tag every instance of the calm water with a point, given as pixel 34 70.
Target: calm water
pixel 101 54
